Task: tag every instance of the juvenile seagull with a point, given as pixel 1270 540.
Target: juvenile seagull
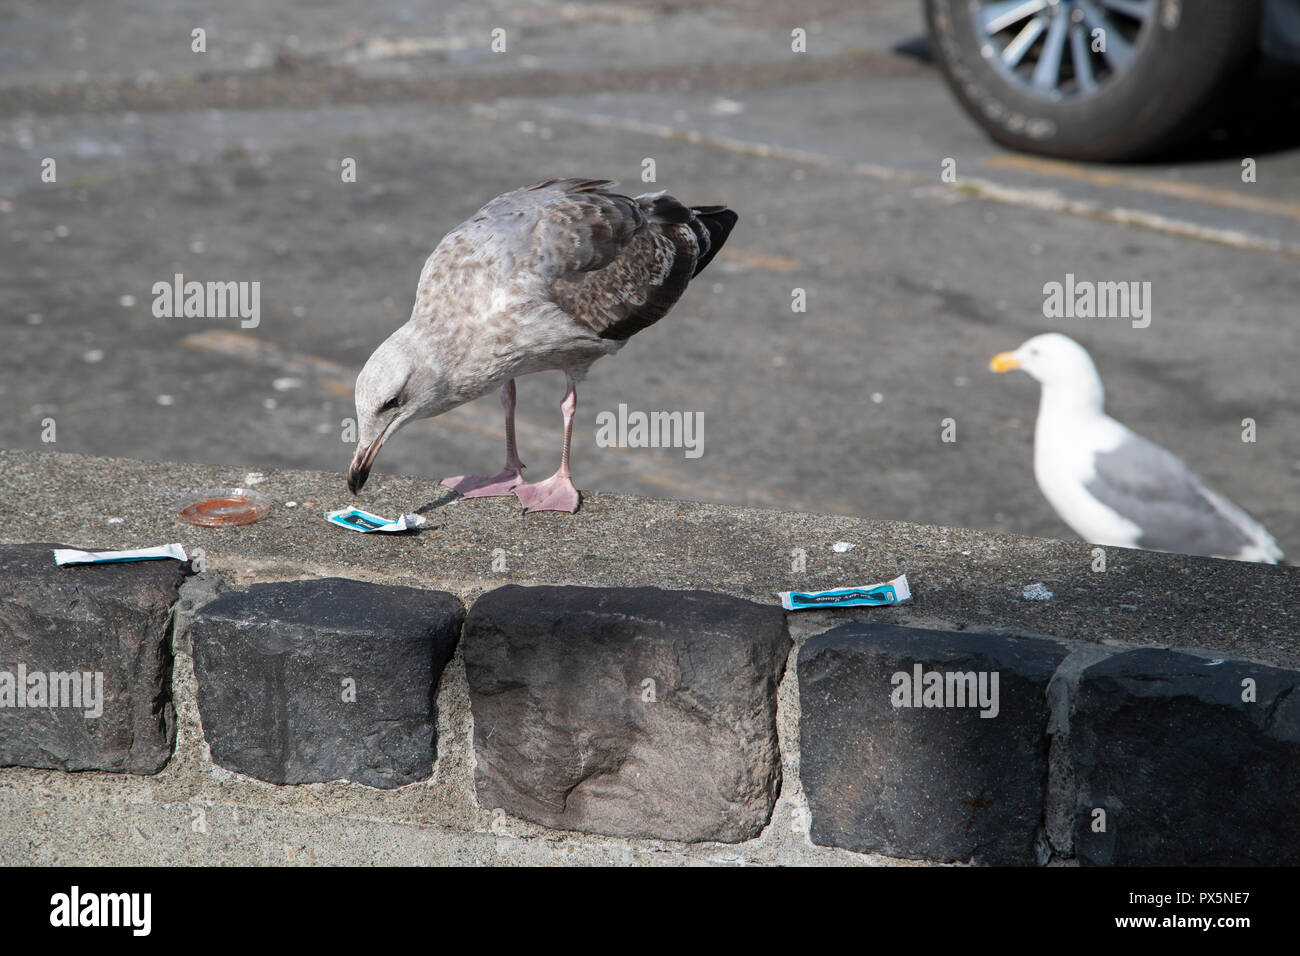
pixel 1112 486
pixel 551 276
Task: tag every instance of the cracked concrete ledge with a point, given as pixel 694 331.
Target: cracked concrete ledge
pixel 194 812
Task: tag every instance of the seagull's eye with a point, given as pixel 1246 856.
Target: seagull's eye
pixel 390 404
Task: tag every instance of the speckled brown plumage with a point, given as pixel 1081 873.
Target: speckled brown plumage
pixel 551 276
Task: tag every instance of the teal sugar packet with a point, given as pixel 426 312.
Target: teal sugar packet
pixel 872 595
pixel 355 519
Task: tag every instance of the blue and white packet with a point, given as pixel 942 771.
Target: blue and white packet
pixel 354 519
pixel 74 556
pixel 871 595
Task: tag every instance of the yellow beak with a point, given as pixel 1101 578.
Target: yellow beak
pixel 1004 362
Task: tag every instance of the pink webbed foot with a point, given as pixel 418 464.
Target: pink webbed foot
pixel 556 493
pixel 478 486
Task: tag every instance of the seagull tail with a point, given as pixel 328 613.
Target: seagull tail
pixel 719 221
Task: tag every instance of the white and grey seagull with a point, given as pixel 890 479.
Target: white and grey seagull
pixel 1111 485
pixel 551 276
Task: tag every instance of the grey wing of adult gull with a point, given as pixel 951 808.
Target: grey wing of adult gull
pixel 1152 487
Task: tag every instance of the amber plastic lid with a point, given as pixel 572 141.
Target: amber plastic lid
pixel 223 507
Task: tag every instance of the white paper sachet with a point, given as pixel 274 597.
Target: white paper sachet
pixel 74 556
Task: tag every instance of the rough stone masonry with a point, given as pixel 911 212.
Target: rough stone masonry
pixel 633 712
pixel 111 621
pixel 332 679
pixel 325 718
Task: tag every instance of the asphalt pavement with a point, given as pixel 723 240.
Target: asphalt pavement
pixel 225 166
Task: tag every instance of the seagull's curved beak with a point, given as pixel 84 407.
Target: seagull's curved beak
pixel 359 470
pixel 1004 362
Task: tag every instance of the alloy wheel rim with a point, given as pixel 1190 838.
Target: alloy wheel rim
pixel 1061 49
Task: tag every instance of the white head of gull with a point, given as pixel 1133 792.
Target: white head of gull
pixel 551 276
pixel 1111 485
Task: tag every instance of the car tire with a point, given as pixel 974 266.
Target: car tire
pixel 1187 57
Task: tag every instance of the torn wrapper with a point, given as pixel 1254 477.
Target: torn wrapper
pixel 358 520
pixel 872 595
pixel 74 556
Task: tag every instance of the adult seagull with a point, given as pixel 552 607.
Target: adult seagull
pixel 1112 486
pixel 551 276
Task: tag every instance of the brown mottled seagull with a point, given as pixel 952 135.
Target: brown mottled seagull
pixel 551 276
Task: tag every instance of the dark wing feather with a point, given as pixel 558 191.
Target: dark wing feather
pixel 619 263
pixel 718 221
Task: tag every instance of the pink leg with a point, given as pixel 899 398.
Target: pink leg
pixel 556 493
pixel 477 486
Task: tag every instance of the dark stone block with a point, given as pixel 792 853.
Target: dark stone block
pixel 928 782
pixel 111 622
pixel 632 712
pixel 1187 772
pixel 272 665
